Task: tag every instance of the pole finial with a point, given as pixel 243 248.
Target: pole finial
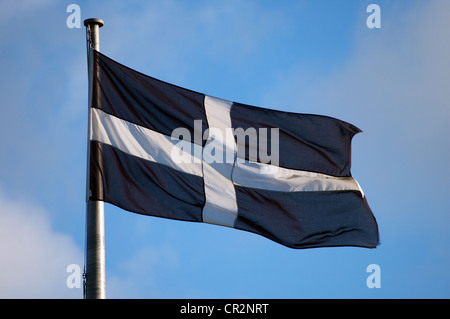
pixel 91 21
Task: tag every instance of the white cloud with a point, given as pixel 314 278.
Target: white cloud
pixel 33 257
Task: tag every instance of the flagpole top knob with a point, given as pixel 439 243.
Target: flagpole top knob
pixel 94 21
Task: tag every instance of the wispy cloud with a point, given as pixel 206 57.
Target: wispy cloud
pixel 34 257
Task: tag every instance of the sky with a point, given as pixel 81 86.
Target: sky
pixel 304 56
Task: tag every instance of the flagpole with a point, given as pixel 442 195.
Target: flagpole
pixel 95 225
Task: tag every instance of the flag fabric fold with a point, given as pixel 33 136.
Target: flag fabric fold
pixel 162 150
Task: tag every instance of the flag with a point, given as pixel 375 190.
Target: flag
pixel 161 150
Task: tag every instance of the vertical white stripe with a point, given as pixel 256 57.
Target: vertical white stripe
pixel 218 159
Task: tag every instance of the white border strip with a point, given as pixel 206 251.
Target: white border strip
pixel 142 142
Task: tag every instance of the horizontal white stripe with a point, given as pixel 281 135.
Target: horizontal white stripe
pixel 220 207
pixel 144 143
pixel 268 177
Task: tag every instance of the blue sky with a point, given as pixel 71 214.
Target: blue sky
pixel 301 56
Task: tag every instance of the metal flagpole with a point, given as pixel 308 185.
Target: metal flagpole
pixel 95 225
